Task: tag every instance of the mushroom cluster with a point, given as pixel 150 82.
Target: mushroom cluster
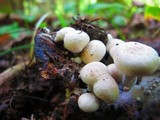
pixel 78 42
pixel 97 77
pixel 130 62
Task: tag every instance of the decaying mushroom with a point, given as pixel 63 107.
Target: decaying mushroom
pixel 134 59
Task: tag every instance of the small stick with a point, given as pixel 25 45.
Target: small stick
pixel 11 72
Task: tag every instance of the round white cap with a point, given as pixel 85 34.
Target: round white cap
pixel 92 71
pixel 94 51
pixel 88 102
pixel 76 41
pixel 135 59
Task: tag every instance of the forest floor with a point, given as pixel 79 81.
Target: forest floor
pixel 39 92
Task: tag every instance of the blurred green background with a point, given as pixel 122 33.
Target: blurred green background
pixel 115 12
pixel 17 16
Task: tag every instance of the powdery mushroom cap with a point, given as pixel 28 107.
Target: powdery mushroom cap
pixel 115 72
pixel 106 89
pixel 76 41
pixel 135 59
pixel 94 51
pixel 61 33
pixel 112 42
pixel 88 102
pixel 91 72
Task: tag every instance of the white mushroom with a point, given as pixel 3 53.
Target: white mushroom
pixel 115 72
pixel 76 60
pixel 88 102
pixel 91 72
pixel 106 89
pixel 76 41
pixel 134 59
pixel 61 33
pixel 111 42
pixel 94 51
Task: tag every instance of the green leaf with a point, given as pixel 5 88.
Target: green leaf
pixel 70 7
pixel 152 12
pixel 119 21
pixel 13 29
pixel 9 28
pixel 27 18
pixel 101 6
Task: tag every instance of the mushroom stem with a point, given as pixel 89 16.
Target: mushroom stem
pixel 128 81
pixel 159 64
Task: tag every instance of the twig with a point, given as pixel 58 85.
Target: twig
pixel 11 72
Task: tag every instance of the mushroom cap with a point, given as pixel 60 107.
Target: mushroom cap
pixel 112 42
pixel 61 33
pixel 106 89
pixel 115 72
pixel 135 59
pixel 88 102
pixel 94 51
pixel 92 71
pixel 76 41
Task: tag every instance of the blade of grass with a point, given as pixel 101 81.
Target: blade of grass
pixel 16 49
pixel 31 53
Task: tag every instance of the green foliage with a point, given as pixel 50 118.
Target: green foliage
pixel 119 21
pixel 13 30
pixel 26 18
pixel 16 49
pixel 115 13
pixel 60 13
pixel 152 12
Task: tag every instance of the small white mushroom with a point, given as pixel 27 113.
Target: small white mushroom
pixel 61 33
pixel 94 51
pixel 76 41
pixel 76 60
pixel 106 89
pixel 111 42
pixel 115 72
pixel 134 59
pixel 92 71
pixel 88 102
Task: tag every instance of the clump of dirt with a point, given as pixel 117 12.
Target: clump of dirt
pixel 94 31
